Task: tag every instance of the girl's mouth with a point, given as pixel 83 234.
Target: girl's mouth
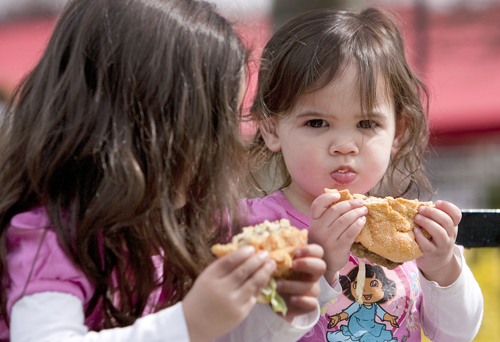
pixel 367 297
pixel 343 176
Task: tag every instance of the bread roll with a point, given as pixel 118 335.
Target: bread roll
pixel 387 238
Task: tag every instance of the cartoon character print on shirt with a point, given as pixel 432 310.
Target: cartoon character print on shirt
pixel 404 305
pixel 361 318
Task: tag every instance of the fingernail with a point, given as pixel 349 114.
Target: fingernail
pixel 365 210
pixel 333 194
pixel 263 255
pixel 360 201
pixel 417 217
pixel 298 253
pixel 270 265
pixel 248 249
pixel 362 219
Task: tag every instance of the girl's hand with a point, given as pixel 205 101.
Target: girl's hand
pixel 225 292
pixel 438 262
pixel 301 292
pixel 335 227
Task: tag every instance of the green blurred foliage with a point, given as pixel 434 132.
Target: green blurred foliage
pixel 494 195
pixel 485 265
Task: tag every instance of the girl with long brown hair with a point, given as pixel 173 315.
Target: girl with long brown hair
pixel 339 107
pixel 119 169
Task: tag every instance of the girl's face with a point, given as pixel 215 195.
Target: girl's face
pixel 372 291
pixel 327 142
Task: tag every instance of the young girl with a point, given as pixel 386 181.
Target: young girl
pixel 118 172
pixel 338 107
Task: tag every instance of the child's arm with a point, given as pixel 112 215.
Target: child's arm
pixel 335 227
pixel 438 262
pixel 452 310
pixel 222 297
pixel 452 313
pixel 301 292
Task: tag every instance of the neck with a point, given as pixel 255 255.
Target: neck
pixel 299 201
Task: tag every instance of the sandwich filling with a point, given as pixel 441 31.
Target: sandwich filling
pixel 280 240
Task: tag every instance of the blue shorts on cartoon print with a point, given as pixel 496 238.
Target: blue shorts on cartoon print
pixel 362 326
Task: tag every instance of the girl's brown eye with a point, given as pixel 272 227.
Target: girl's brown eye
pixel 374 283
pixel 367 124
pixel 316 123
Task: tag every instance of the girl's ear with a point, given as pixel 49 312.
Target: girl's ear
pixel 401 135
pixel 269 132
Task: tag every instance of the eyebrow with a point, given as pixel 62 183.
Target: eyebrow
pixel 373 114
pixel 313 113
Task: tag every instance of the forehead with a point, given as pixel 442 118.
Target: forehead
pixel 344 92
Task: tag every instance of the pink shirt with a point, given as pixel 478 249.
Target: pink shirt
pixel 403 287
pixel 37 263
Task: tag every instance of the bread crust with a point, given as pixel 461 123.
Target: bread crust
pixel 278 238
pixel 388 231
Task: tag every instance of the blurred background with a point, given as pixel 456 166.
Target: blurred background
pixel 454 46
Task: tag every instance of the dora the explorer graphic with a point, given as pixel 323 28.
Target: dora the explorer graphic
pixel 361 318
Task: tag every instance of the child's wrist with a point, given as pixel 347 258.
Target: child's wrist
pixel 446 275
pixel 331 277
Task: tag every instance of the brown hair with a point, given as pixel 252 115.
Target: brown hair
pixel 310 51
pixel 133 105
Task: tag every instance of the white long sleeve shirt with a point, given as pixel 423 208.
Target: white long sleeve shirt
pixel 57 317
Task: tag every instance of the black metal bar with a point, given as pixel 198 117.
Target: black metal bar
pixel 479 228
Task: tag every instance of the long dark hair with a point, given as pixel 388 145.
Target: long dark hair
pixel 133 106
pixel 310 51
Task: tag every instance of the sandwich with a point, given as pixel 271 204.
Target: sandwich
pixel 387 238
pixel 280 240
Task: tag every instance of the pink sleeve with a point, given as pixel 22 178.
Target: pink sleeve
pixel 37 262
pixel 257 210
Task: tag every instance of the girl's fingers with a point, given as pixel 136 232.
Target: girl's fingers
pixel 439 235
pixel 225 265
pixel 253 264
pixel 258 279
pixel 351 232
pixel 433 215
pixel 242 265
pixel 314 267
pixel 311 250
pixel 451 210
pixel 351 211
pixel 326 204
pixel 298 287
pixel 424 243
pixel 323 202
pixel 434 220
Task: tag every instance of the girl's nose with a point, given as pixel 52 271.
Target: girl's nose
pixel 344 146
